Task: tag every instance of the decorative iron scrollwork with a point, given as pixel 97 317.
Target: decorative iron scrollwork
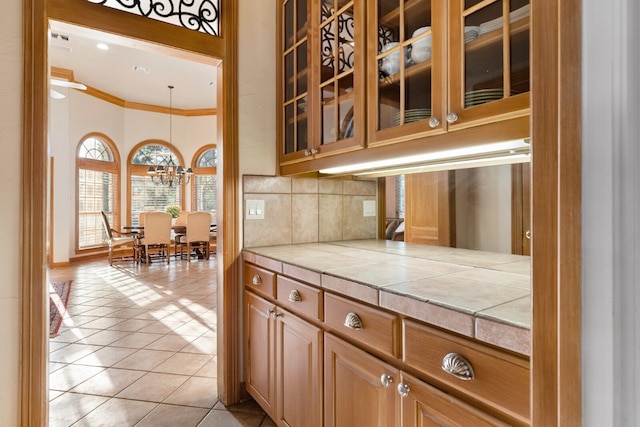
pixel 197 15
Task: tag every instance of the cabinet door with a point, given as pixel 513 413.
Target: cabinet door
pixel 299 372
pixel 294 74
pixel 406 50
pixel 259 352
pixel 490 61
pixel 359 389
pixel 424 405
pixel 338 75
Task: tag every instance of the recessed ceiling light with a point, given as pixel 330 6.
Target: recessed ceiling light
pixel 102 46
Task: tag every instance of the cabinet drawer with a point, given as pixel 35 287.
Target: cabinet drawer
pixel 377 329
pixel 500 380
pixel 259 280
pixel 299 298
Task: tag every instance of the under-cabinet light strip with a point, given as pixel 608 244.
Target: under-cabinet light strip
pixel 498 149
pixel 441 166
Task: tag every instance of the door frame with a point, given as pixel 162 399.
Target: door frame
pixel 33 398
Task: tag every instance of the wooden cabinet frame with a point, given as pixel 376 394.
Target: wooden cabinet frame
pixel 555 132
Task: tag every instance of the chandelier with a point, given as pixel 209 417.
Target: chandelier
pixel 170 174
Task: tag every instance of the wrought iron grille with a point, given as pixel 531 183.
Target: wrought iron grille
pixel 198 15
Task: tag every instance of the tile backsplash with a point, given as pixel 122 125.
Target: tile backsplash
pixel 307 210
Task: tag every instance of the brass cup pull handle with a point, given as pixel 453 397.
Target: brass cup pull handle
pixel 386 380
pixel 458 366
pixel 353 321
pixel 294 296
pixel 256 280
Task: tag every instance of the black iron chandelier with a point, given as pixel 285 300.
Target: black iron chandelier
pixel 170 174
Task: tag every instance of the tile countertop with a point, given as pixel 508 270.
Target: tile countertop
pixel 483 295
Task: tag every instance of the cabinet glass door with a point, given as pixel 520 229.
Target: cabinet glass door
pixel 490 67
pixel 340 73
pixel 295 74
pixel 407 57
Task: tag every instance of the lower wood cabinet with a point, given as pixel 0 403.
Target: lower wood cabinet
pixel 283 363
pixel 362 390
pixel 306 370
pixel 424 405
pixel 359 389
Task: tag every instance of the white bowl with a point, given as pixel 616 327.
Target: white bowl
pixel 420 54
pixel 390 63
pixel 389 46
pixel 419 31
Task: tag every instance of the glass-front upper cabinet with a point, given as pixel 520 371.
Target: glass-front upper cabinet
pixel 340 83
pixel 323 78
pixel 490 61
pixel 294 18
pixel 407 64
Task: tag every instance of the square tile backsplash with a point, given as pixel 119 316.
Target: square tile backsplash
pixel 307 210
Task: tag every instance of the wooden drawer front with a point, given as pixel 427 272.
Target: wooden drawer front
pixel 299 298
pixel 380 330
pixel 259 280
pixel 500 380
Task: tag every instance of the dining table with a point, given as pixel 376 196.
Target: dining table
pixel 176 230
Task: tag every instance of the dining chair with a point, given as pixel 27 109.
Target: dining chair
pixel 157 235
pixel 179 229
pixel 197 234
pixel 116 239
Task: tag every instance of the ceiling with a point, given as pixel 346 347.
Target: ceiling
pixel 133 70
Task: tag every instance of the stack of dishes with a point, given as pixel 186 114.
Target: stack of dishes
pixel 471 33
pixel 495 24
pixel 412 116
pixel 481 96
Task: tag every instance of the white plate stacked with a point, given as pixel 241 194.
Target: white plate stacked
pixel 495 24
pixel 412 115
pixel 481 96
pixel 471 33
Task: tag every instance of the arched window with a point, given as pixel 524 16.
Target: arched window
pixel 203 197
pixel 98 189
pixel 143 194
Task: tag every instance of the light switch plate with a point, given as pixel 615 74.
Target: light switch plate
pixel 369 208
pixel 254 209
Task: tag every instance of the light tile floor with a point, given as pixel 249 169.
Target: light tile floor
pixel 138 348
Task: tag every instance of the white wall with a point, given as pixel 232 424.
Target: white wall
pixel 79 114
pixel 256 86
pixel 10 135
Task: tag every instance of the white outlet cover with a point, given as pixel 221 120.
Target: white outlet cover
pixel 254 209
pixel 369 208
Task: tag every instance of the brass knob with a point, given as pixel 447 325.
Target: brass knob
pixel 386 380
pixel 452 118
pixel 294 296
pixel 352 321
pixel 527 234
pixel 403 390
pixel 458 366
pixel 256 280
